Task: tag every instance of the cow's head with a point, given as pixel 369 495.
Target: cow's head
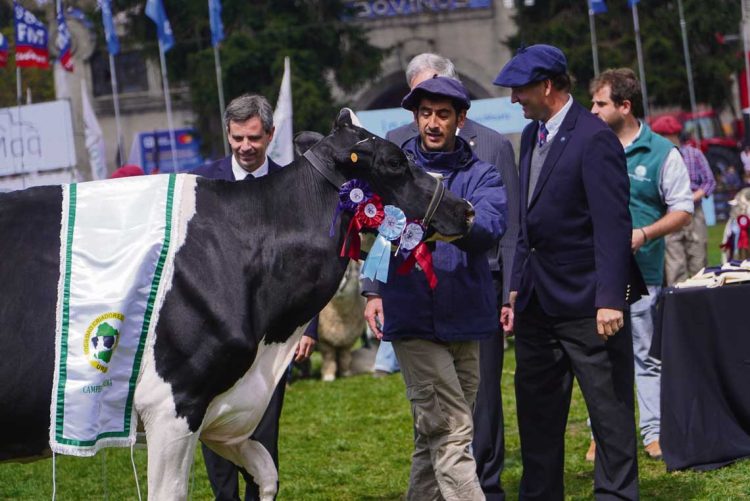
pixel 360 154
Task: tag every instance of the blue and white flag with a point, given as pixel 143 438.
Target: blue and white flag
pixel 597 6
pixel 113 43
pixel 31 39
pixel 217 27
pixel 62 42
pixel 155 10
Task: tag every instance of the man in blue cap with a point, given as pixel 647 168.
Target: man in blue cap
pixel 571 282
pixel 436 332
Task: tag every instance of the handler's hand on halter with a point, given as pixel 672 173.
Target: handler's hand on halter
pixel 608 322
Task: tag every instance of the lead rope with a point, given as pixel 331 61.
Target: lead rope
pixel 54 479
pixel 135 471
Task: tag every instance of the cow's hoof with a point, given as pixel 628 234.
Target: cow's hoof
pixel 328 377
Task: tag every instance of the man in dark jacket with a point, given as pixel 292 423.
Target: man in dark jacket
pixel 494 148
pixel 249 123
pixel 436 332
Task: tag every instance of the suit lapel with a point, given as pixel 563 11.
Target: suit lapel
pixel 559 143
pixel 524 163
pixel 469 132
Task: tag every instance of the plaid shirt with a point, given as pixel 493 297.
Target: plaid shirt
pixel 700 173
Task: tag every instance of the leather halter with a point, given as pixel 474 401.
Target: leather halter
pixel 337 179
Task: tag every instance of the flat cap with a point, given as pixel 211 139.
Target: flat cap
pixel 667 125
pixel 532 64
pixel 437 86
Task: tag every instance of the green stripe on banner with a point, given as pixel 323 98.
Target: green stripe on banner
pixel 151 299
pixel 65 313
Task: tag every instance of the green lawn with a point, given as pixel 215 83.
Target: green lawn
pixel 351 440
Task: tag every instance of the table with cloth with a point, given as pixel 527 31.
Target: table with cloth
pixel 703 340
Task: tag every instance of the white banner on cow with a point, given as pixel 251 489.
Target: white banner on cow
pixel 115 264
pixel 36 137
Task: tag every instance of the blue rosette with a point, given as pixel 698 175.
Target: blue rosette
pixel 376 264
pixel 351 194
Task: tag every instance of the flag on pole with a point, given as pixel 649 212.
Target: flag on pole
pixel 281 149
pixel 113 43
pixel 632 2
pixel 597 6
pixel 62 42
pixel 3 51
pixel 94 137
pixel 217 27
pixel 155 10
pixel 31 39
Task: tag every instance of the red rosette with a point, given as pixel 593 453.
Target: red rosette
pixel 368 216
pixel 743 241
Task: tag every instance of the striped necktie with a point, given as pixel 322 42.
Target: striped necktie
pixel 542 135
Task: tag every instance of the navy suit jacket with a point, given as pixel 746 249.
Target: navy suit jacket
pixel 492 147
pixel 573 247
pixel 222 169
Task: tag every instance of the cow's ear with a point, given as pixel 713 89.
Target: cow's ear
pixel 360 154
pixel 344 118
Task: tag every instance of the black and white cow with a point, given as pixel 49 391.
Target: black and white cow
pixel 254 265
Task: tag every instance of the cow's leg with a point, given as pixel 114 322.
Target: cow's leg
pixel 345 361
pixel 256 460
pixel 171 448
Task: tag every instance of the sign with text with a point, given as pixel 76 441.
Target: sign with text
pixel 36 137
pixel 152 151
pixel 496 113
pixel 374 9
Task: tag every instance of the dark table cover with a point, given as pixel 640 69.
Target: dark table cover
pixel 704 344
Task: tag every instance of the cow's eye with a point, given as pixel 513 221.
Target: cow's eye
pixel 394 165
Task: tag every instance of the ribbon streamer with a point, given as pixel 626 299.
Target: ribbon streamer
pixel 421 254
pixel 378 259
pixel 351 194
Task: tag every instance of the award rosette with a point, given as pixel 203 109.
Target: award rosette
pixel 411 241
pixel 743 239
pixel 376 264
pixel 351 194
pixel 368 216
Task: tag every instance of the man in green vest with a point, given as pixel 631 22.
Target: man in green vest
pixel 660 203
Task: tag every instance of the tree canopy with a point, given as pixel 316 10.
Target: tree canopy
pixel 323 49
pixel 566 25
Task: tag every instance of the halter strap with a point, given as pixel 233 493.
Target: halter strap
pixel 437 197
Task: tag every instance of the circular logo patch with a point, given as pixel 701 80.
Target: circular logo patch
pixel 101 339
pixel 640 171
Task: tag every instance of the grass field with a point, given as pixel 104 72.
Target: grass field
pixel 351 440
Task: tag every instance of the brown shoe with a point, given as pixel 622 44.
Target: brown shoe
pixel 591 453
pixel 653 449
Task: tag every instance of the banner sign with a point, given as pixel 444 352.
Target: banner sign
pixel 153 151
pixel 62 42
pixel 497 113
pixel 3 51
pixel 36 137
pixel 31 40
pixel 374 9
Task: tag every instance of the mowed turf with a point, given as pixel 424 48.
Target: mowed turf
pixel 351 440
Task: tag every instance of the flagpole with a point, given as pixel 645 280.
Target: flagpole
pixel 168 101
pixel 688 65
pixel 744 29
pixel 639 51
pixel 594 50
pixel 116 102
pixel 220 86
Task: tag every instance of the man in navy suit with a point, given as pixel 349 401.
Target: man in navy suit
pixel 249 123
pixel 492 147
pixel 570 284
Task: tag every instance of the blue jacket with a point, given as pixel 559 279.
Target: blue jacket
pixel 463 306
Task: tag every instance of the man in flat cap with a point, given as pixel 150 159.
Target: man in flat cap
pixel 570 282
pixel 436 331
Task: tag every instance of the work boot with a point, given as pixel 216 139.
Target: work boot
pixel 653 449
pixel 591 453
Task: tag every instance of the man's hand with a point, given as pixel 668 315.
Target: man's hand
pixel 374 315
pixel 608 322
pixel 506 319
pixel 304 348
pixel 507 314
pixel 637 240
